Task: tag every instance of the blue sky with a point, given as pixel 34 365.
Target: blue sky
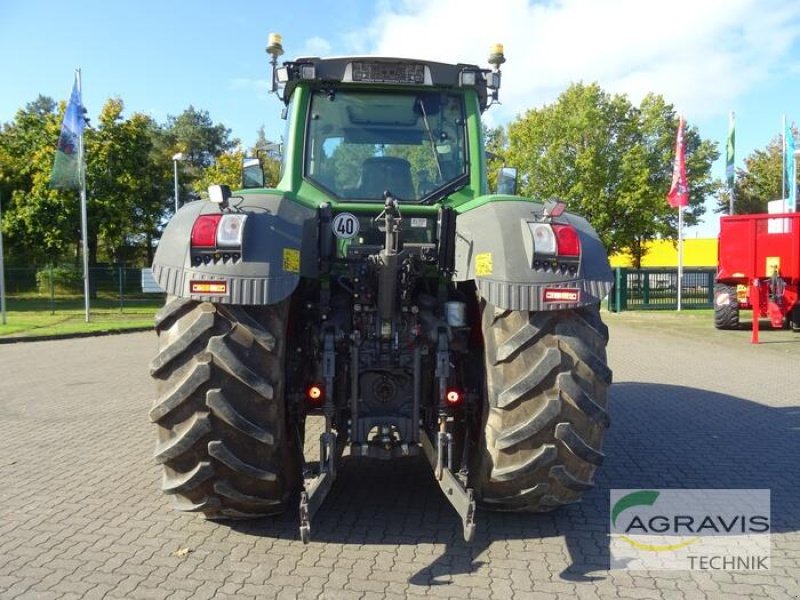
pixel 707 57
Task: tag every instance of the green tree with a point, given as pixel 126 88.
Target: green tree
pixel 496 144
pixel 758 182
pixel 194 133
pixel 225 170
pixel 611 162
pixel 127 184
pixel 270 158
pixel 129 180
pixel 41 224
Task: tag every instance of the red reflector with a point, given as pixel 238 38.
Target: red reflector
pixel 315 394
pixel 569 244
pixel 204 231
pixel 453 397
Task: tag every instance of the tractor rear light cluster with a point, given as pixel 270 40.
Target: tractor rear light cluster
pixel 218 231
pixel 555 240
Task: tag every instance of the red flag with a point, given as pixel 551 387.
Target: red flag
pixel 679 191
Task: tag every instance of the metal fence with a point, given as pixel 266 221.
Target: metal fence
pixel 636 289
pixel 56 285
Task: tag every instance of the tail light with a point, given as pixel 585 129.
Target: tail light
pixel 218 231
pixel 454 397
pixel 204 231
pixel 567 240
pixel 315 395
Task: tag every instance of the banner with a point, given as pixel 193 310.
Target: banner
pixel 67 168
pixel 730 151
pixel 679 191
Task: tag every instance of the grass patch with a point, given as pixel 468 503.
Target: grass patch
pixel 40 317
pixel 701 317
pixel 699 324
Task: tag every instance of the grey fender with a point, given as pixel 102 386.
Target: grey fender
pixel 279 246
pixel 494 247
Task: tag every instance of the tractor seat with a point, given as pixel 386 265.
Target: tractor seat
pixel 383 173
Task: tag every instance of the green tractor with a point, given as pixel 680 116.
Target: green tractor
pixel 381 287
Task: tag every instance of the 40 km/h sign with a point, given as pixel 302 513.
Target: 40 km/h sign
pixel 345 226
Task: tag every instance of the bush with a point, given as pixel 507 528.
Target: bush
pixel 64 279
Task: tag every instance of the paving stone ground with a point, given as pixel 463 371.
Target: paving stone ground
pixel 81 514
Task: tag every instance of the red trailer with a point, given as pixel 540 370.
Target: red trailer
pixel 758 263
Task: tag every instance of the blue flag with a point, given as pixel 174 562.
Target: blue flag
pixel 789 169
pixel 67 166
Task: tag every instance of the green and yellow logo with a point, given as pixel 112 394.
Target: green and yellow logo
pixel 643 498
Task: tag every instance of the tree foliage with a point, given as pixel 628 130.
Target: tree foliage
pixel 496 142
pixel 129 180
pixel 194 133
pixel 760 181
pixel 125 179
pixel 40 223
pixel 611 162
pixel 225 170
pixel 270 155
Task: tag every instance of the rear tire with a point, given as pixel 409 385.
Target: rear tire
pixel 726 307
pixel 223 433
pixel 545 413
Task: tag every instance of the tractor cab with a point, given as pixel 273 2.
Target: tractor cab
pixel 360 128
pixel 362 143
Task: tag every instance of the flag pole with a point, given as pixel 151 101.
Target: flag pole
pixel 680 255
pixel 678 197
pixel 84 220
pixel 730 171
pixel 783 168
pixel 680 143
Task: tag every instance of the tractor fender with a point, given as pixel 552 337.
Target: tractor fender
pixel 494 247
pixel 279 246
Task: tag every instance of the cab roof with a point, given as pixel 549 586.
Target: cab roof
pixel 381 71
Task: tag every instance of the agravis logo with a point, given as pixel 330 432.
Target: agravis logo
pixel 687 529
pixel 644 498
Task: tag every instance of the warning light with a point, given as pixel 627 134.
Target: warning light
pixel 453 397
pixel 315 394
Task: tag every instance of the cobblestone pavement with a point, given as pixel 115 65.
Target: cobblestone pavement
pixel 81 514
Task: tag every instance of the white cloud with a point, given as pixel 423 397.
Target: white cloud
pixel 699 54
pixel 315 46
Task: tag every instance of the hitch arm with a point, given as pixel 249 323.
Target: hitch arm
pixel 317 489
pixel 454 489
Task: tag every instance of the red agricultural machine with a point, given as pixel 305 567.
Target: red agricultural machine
pixel 758 269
